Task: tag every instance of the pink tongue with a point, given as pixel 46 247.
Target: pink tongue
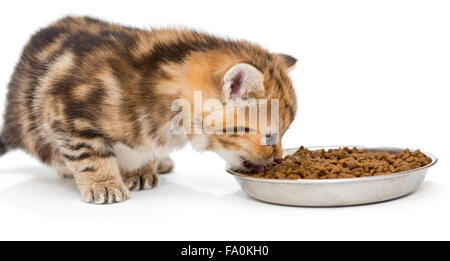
pixel 259 168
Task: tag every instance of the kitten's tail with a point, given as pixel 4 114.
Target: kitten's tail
pixel 3 148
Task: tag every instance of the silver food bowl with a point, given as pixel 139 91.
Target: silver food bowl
pixel 334 192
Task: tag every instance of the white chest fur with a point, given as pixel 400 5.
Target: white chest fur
pixel 130 159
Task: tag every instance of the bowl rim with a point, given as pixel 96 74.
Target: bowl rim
pixel 433 158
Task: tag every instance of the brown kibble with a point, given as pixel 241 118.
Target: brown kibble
pixel 351 163
pixel 342 163
pixel 312 176
pixel 343 176
pixel 294 176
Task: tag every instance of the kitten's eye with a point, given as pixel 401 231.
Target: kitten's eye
pixel 271 139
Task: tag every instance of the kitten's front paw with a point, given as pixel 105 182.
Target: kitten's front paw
pixel 140 182
pixel 105 192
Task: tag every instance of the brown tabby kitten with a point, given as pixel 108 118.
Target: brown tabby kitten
pixel 93 100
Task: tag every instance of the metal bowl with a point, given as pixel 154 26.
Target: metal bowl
pixel 334 192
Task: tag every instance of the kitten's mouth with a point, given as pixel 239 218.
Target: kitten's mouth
pixel 252 167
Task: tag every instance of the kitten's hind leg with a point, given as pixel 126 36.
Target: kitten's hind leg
pixel 60 166
pixel 64 172
pixel 145 177
pixel 96 172
pixel 165 165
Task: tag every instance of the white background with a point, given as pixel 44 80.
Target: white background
pixel 370 72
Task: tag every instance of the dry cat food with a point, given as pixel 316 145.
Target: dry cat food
pixel 341 163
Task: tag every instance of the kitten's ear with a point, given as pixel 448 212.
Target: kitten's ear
pixel 242 80
pixel 288 61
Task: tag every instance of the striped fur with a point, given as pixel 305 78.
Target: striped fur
pixel 84 87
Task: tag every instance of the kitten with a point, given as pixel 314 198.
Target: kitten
pixel 93 100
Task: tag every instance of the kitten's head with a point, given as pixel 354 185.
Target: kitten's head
pixel 249 143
